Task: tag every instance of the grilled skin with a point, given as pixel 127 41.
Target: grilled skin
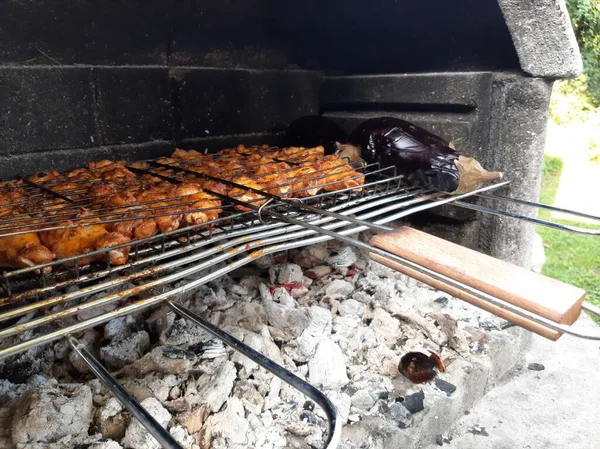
pixel 338 174
pixel 82 236
pixel 151 204
pixel 21 250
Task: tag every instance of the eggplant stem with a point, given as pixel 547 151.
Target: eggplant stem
pixel 472 175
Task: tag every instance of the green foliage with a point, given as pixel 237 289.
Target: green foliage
pixel 571 258
pixel 585 16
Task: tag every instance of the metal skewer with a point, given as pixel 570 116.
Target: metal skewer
pixel 334 426
pixel 547 223
pixel 127 400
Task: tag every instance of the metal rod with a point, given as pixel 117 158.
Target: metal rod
pixel 539 205
pixel 271 234
pixel 426 196
pixel 47 190
pixel 334 425
pixel 161 434
pixel 549 224
pixel 342 235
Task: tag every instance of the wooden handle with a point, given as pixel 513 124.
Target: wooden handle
pixel 532 326
pixel 531 291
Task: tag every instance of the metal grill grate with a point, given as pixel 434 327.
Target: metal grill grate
pixel 169 264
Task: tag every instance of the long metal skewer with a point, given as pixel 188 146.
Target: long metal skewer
pixel 334 425
pixel 341 235
pixel 508 199
pixel 547 223
pixel 127 400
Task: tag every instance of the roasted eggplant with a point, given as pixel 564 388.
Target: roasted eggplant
pixel 425 159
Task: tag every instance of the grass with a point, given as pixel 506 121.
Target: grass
pixel 571 258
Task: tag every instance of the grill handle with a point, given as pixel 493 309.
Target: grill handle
pixel 544 296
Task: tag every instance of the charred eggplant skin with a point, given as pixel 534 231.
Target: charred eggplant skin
pixel 315 130
pixel 425 159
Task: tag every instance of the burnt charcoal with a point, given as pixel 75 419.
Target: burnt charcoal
pixel 400 414
pixel 445 386
pixel 536 367
pixel 309 405
pixel 414 402
pixel 308 417
pixel 208 349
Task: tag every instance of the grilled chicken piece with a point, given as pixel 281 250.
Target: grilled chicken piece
pixel 245 195
pixel 169 161
pixel 274 177
pixel 223 168
pixel 104 165
pixel 22 250
pixel 306 182
pixel 188 155
pixel 165 223
pixel 300 154
pixel 44 176
pixel 83 236
pixel 138 228
pixel 102 191
pixel 140 165
pixel 111 170
pixel 192 192
pixel 81 174
pixel 118 173
pixel 121 198
pixel 259 159
pixel 215 186
pixel 117 256
pixel 338 174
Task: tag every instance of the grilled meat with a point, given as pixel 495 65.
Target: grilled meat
pixel 338 174
pixel 24 250
pixel 83 236
pixel 245 195
pixel 108 204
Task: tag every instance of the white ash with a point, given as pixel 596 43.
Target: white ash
pixel 327 313
pixel 48 413
pixel 287 273
pixel 342 258
pixel 136 435
pixel 125 349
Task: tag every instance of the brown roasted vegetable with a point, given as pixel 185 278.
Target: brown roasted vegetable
pixel 419 367
pixel 425 159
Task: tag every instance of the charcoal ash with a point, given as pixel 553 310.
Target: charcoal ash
pixel 327 313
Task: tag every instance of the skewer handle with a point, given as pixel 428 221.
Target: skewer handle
pixel 544 296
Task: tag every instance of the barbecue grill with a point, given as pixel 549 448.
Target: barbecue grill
pixel 489 96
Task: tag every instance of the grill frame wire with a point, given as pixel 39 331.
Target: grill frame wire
pixel 334 427
pixel 331 413
pixel 291 212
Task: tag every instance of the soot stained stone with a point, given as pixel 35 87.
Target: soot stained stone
pixel 134 104
pixel 212 102
pixel 84 32
pixel 46 108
